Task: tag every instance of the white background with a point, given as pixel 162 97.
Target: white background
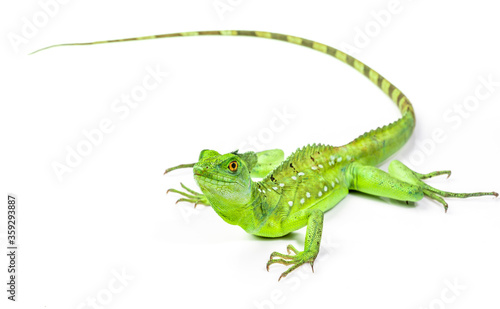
pixel 111 215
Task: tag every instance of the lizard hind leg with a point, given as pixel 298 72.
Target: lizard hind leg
pixel 402 172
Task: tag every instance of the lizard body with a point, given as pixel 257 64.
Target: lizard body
pixel 296 192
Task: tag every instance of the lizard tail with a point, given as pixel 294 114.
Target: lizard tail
pixel 380 143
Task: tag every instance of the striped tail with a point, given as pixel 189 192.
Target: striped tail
pixel 390 138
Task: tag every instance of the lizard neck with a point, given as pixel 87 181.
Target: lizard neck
pixel 253 215
pixel 249 215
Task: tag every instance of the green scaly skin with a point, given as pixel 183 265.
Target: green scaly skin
pixel 296 192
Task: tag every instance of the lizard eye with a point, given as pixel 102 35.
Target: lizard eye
pixel 233 166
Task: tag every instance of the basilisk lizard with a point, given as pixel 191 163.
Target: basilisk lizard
pixel 297 191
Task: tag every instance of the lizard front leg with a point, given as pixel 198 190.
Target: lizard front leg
pixel 190 196
pixel 311 246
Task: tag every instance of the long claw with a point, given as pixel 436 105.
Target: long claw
pixel 436 197
pixel 291 248
pixel 433 193
pixel 195 197
pixel 283 256
pixel 190 190
pixel 279 261
pixel 296 260
pixel 433 174
pixel 187 200
pixel 289 270
pixel 438 194
pixel 182 193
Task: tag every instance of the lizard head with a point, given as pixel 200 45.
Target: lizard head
pixel 224 179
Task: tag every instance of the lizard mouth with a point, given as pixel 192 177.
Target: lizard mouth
pixel 212 178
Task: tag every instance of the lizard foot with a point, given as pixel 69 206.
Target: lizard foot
pixel 296 259
pixel 401 171
pixel 190 196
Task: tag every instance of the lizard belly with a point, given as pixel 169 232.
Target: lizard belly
pixel 286 219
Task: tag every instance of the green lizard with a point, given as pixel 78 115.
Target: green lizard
pixel 296 192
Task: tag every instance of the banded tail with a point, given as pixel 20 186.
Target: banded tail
pixel 379 143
